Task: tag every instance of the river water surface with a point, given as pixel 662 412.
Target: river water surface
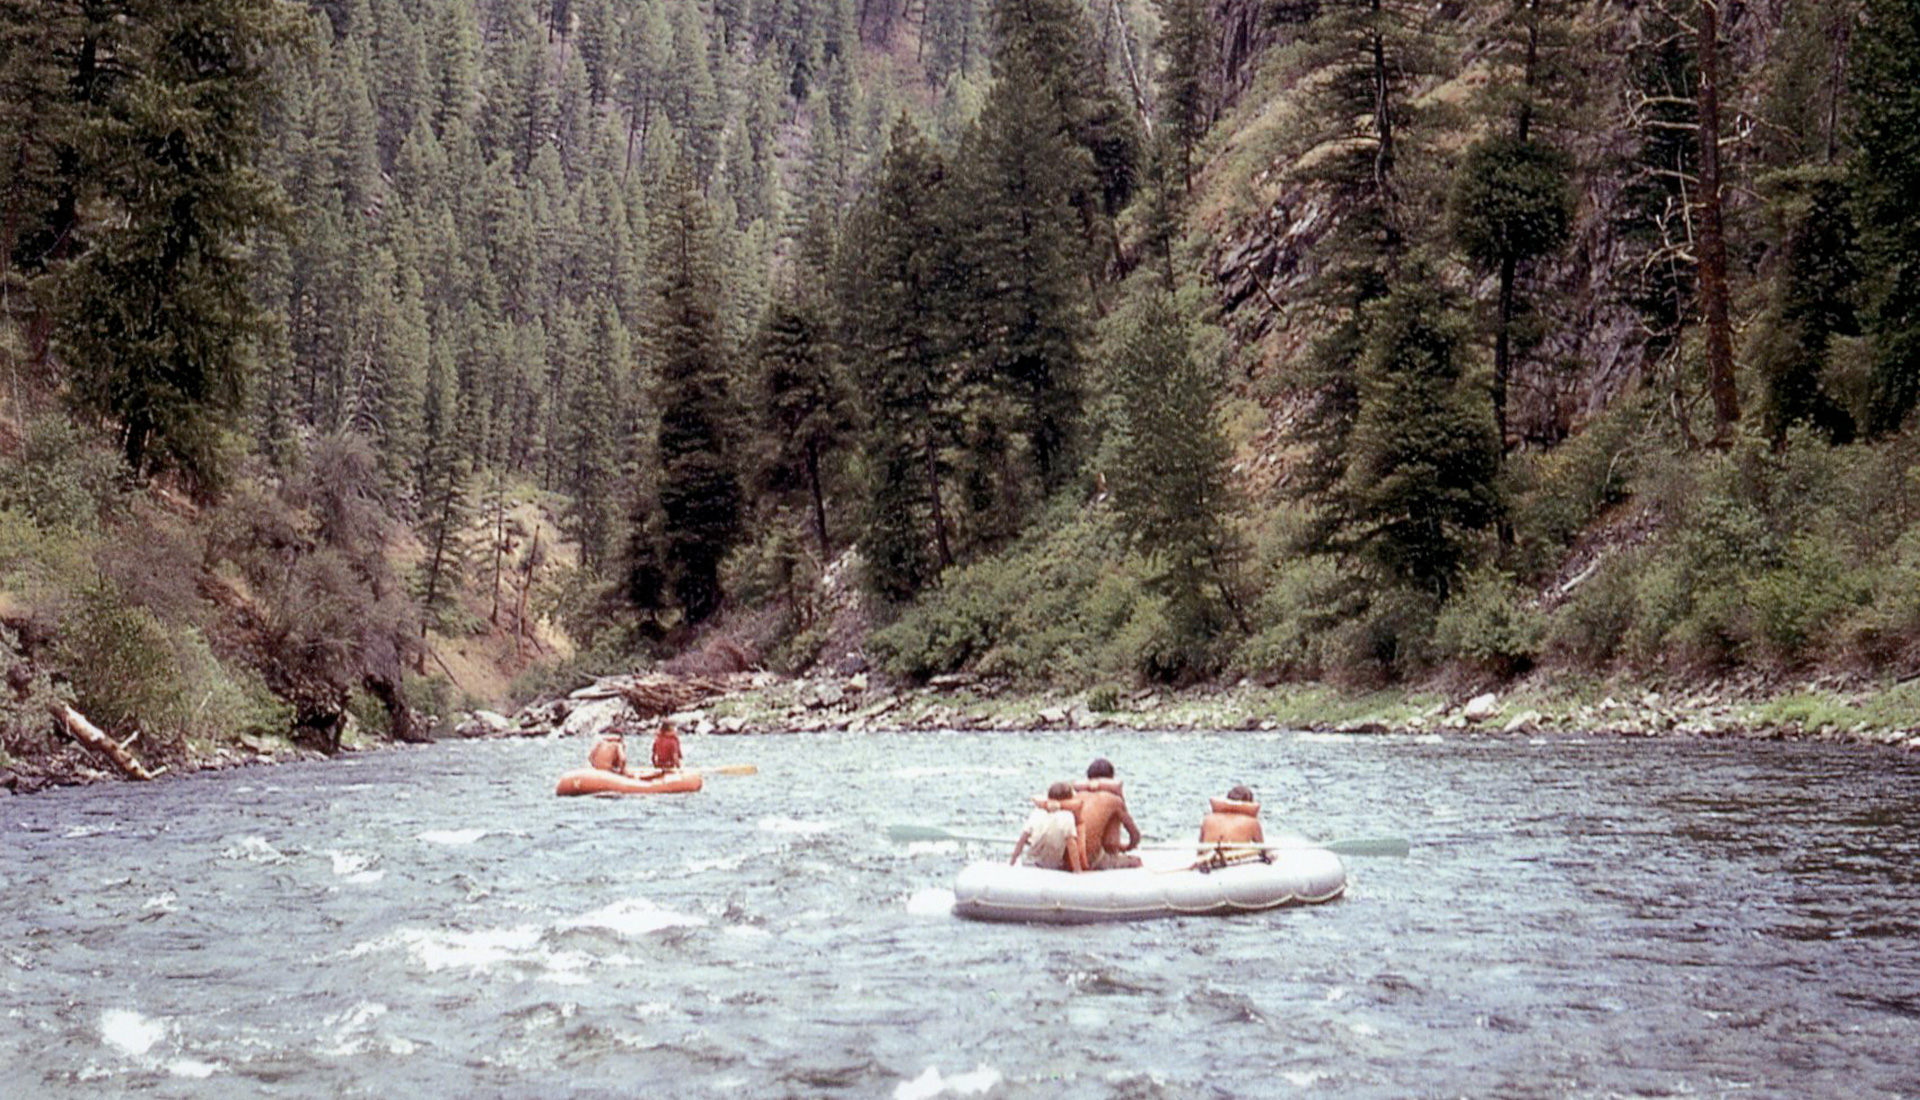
pixel 1577 919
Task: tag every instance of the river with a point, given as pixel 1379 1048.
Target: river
pixel 1577 919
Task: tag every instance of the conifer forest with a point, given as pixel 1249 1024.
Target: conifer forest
pixel 367 361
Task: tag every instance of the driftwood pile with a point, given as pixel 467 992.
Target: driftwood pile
pixel 658 696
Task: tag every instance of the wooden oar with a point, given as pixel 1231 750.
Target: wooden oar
pixel 1392 846
pixel 731 769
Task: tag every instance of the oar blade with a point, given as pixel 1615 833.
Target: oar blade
pixel 905 833
pixel 1394 847
pixel 733 769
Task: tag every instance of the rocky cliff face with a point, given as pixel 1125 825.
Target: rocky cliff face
pixel 1262 241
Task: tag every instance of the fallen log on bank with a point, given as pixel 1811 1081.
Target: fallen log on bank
pixel 95 738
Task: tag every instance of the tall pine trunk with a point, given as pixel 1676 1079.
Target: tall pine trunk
pixel 1713 245
pixel 819 500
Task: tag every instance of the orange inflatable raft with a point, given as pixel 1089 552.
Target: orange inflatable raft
pixel 598 781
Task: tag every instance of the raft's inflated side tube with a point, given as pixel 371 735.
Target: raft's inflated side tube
pixel 1165 887
pixel 596 781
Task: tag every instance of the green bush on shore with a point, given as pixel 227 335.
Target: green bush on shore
pixel 1066 607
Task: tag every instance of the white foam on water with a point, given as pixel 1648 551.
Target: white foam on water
pixel 193 1068
pixel 793 827
pixel 633 917
pixel 1302 1078
pixel 353 1032
pixel 356 867
pixel 254 849
pixel 934 901
pixel 79 832
pixel 931 1084
pixel 452 837
pixel 1337 993
pixel 160 903
pixel 129 1032
pixel 723 863
pixel 932 847
pixel 1427 739
pixel 1367 1031
pixel 1316 737
pixel 445 949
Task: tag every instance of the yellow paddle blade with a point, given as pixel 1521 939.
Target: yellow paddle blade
pixel 732 769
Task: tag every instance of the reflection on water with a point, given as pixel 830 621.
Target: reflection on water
pixel 1577 919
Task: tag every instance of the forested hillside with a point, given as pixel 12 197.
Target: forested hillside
pixel 363 354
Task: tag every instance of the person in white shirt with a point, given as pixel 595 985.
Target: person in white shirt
pixel 1051 838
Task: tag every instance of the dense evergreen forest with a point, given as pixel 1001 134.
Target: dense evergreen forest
pixel 1075 343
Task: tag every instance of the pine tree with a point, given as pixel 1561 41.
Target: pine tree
pixel 1811 295
pixel 453 64
pixel 1510 204
pixel 700 502
pixel 1886 176
pixel 1026 266
pixel 1171 484
pixel 806 406
pixel 1654 204
pixel 1419 486
pixel 158 313
pixel 1050 41
pixel 444 505
pixel 1511 201
pixel 899 342
pixel 1189 45
pixel 593 438
pixel 1361 131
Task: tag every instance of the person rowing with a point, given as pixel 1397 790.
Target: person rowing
pixel 1103 817
pixel 666 748
pixel 609 753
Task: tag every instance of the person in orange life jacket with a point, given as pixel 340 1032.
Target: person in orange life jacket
pixel 1103 817
pixel 1234 819
pixel 666 748
pixel 1051 838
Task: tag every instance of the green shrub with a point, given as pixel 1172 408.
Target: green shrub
pixel 124 672
pixel 1291 617
pixel 1390 637
pixel 1065 607
pixel 61 478
pixel 1556 494
pixel 1591 627
pixel 1489 623
pixel 26 696
pixel 1792 610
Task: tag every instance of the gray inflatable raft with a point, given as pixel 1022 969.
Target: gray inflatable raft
pixel 1166 886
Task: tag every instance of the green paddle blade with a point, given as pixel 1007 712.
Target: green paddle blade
pixel 907 834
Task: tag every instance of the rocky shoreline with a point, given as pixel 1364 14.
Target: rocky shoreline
pixel 762 703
